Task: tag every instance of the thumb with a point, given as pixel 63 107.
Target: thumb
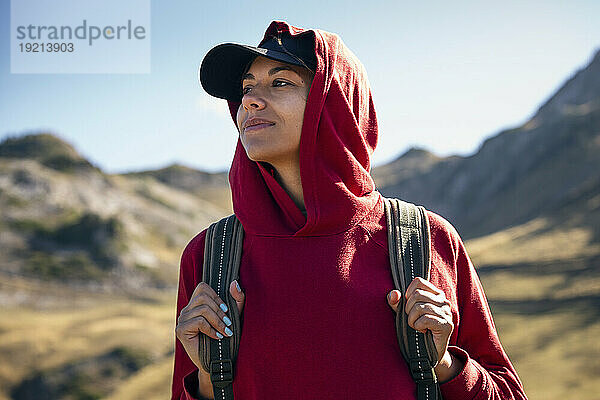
pixel 237 294
pixel 393 299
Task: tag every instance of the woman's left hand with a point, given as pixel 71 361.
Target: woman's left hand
pixel 428 309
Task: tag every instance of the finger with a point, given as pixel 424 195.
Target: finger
pixel 220 323
pixel 420 309
pixel 204 287
pixel 191 328
pixel 437 325
pixel 424 296
pixel 393 299
pixel 238 295
pixel 202 298
pixel 420 283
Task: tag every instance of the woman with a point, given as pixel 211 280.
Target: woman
pixel 315 284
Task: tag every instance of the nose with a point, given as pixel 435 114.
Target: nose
pixel 253 100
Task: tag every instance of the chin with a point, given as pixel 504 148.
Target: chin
pixel 263 155
pixel 258 155
pixel 274 152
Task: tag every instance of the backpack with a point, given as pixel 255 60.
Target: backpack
pixel 408 235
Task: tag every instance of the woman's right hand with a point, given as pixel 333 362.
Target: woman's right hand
pixel 205 313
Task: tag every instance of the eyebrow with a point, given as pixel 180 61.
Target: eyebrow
pixel 272 71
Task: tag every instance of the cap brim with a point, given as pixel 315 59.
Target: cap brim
pixel 221 70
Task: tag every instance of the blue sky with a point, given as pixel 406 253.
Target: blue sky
pixel 445 75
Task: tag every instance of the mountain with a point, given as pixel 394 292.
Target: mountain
pixel 184 178
pixel 64 220
pixel 579 94
pixel 89 261
pixel 529 202
pixel 211 186
pixel 47 149
pixel 517 175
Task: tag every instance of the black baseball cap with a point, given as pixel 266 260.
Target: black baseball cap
pixel 222 68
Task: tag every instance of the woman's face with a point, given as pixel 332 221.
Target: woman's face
pixel 270 117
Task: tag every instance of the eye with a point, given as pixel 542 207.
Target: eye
pixel 278 83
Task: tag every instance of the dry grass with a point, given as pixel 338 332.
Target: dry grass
pixel 555 354
pixel 151 383
pixel 33 340
pixel 543 285
pixel 536 241
pixel 546 314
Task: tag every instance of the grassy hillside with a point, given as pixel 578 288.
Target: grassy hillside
pixel 94 229
pixel 87 346
pixel 88 270
pixel 89 264
pixel 546 312
pixel 542 280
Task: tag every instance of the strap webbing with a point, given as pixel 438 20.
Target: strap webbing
pixel 221 266
pixel 409 249
pixel 408 242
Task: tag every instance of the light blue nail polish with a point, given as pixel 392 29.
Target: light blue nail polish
pixel 227 321
pixel 228 332
pixel 223 307
pixel 219 335
pixel 237 285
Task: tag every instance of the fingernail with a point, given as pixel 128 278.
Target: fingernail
pixel 219 335
pixel 237 286
pixel 223 307
pixel 228 332
pixel 227 321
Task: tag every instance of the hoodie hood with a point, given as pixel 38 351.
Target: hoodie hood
pixel 339 135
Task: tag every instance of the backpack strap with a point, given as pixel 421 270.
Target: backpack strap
pixel 222 255
pixel 410 257
pixel 409 249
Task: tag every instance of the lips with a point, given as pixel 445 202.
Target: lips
pixel 256 123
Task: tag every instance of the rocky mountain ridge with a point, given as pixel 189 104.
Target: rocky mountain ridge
pixel 516 175
pixel 69 222
pixel 53 200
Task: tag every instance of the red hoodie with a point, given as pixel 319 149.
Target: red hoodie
pixel 316 320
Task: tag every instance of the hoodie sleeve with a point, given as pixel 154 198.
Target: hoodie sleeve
pixel 185 372
pixel 487 372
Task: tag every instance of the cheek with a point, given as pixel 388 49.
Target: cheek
pixel 293 110
pixel 239 117
pixel 299 115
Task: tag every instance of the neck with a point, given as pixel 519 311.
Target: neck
pixel 287 173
